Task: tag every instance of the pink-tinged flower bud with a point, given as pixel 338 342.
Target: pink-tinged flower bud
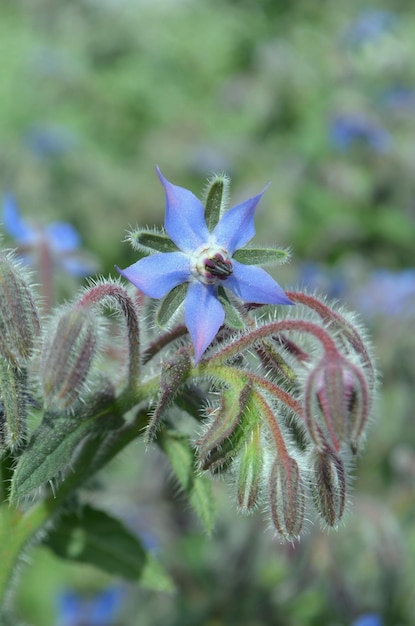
pixel 19 321
pixel 328 485
pixel 250 471
pixel 287 498
pixel 67 358
pixel 223 438
pixel 336 403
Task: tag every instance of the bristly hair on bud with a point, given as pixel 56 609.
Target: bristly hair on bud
pixel 19 319
pixel 69 350
pixel 287 498
pixel 174 373
pixel 328 485
pixel 250 473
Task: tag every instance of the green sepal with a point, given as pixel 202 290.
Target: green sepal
pixel 198 488
pixel 261 256
pixel 170 304
pixel 232 317
pixel 148 242
pixel 216 197
pixel 91 536
pixel 52 445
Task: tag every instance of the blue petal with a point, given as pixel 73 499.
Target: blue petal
pixel 70 607
pixel 185 217
pixel 253 284
pixel 13 223
pixel 203 314
pixel 63 237
pixel 236 227
pixel 157 274
pixel 104 607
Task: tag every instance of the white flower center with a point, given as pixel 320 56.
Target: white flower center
pixel 210 263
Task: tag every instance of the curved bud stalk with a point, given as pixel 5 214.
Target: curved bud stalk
pixel 67 357
pixel 287 497
pixel 250 473
pixel 328 485
pixel 19 320
pixel 107 294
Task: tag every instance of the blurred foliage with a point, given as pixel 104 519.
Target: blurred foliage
pixel 319 98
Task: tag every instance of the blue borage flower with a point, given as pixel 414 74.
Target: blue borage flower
pixel 205 260
pixel 61 239
pixel 100 610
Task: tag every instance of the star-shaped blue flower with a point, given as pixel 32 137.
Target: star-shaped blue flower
pixel 204 260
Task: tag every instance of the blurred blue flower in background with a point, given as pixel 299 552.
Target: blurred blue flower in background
pixel 317 277
pixel 399 98
pixel 368 619
pixel 60 239
pixel 369 26
pixel 100 610
pixel 387 293
pixel 48 140
pixel 351 128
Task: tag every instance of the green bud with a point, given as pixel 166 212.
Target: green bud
pixel 67 358
pixel 287 498
pixel 19 321
pixel 173 374
pixel 13 405
pixel 226 432
pixel 249 480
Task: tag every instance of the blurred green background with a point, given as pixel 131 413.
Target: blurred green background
pixel 317 97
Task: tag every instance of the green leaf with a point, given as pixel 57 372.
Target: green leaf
pixel 261 256
pixel 149 241
pixel 93 536
pixel 170 304
pixel 232 317
pixel 51 447
pixel 197 487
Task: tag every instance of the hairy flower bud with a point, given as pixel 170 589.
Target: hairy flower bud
pixel 224 436
pixel 19 321
pixel 287 497
pixel 328 485
pixel 174 373
pixel 13 405
pixel 250 470
pixel 67 358
pixel 336 403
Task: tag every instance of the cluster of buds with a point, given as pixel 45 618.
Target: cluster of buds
pixel 281 384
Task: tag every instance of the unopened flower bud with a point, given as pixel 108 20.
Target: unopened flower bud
pixel 328 485
pixel 174 373
pixel 224 435
pixel 68 356
pixel 336 391
pixel 13 405
pixel 250 470
pixel 19 321
pixel 287 497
